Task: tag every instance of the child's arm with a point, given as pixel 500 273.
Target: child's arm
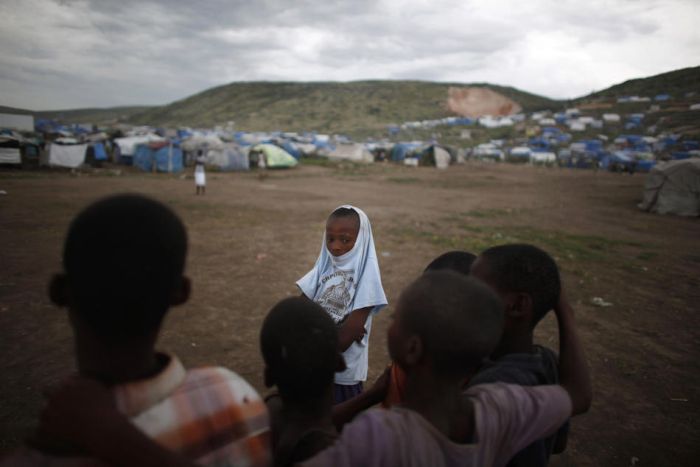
pixel 573 369
pixel 345 411
pixel 353 328
pixel 82 412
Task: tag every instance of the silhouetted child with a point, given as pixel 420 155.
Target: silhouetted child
pixel 458 261
pixel 299 344
pixel 346 282
pixel 444 326
pixel 527 280
pixel 123 261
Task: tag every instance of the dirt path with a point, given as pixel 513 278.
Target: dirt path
pixel 251 239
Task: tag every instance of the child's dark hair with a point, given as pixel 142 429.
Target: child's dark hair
pixel 124 256
pixel 299 343
pixel 345 212
pixel 458 318
pixel 526 269
pixel 458 261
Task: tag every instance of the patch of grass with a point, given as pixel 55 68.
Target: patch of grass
pixel 564 246
pixel 403 180
pixel 488 213
pixel 647 255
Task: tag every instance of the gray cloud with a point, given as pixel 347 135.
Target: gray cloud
pixel 75 53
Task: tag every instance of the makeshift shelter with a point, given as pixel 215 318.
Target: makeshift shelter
pixel 355 152
pixel 10 149
pixel 229 158
pixel 271 156
pixel 126 147
pixel 159 156
pixel 67 155
pixel 434 156
pixel 673 188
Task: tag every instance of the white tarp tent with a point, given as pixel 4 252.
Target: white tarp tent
pixel 127 145
pixel 71 156
pixel 673 188
pixel 17 122
pixel 355 152
pixel 10 156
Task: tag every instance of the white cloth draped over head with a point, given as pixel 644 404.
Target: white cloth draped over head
pixel 346 283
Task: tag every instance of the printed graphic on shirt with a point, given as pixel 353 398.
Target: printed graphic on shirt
pixel 336 297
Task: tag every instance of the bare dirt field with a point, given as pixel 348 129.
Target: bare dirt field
pixel 251 238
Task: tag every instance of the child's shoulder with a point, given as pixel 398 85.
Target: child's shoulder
pixel 526 369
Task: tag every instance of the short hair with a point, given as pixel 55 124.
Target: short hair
pixel 299 344
pixel 458 261
pixel 525 269
pixel 458 318
pixel 123 257
pixel 345 212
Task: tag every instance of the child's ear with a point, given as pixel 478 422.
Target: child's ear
pixel 182 292
pixel 268 378
pixel 519 305
pixel 58 290
pixel 414 350
pixel 340 364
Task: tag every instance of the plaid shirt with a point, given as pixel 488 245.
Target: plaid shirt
pixel 210 415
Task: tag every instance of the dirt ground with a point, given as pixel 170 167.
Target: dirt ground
pixel 252 237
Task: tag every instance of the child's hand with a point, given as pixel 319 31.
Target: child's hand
pixel 74 410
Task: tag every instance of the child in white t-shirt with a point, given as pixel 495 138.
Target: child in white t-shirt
pixel 346 282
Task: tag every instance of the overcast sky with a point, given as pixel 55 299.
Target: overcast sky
pixel 59 54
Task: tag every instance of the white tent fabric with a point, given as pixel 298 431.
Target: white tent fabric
pixel 355 152
pixel 209 141
pixel 442 157
pixel 673 188
pixel 17 122
pixel 127 145
pixel 10 156
pixel 71 156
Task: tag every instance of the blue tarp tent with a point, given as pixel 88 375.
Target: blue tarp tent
pixel 166 158
pixel 400 150
pixel 100 153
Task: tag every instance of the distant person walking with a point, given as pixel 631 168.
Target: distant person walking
pixel 200 177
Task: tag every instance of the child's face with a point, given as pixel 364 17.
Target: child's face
pixel 341 234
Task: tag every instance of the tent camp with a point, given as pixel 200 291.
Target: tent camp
pixel 673 188
pixel 270 156
pixel 67 155
pixel 229 157
pixel 355 152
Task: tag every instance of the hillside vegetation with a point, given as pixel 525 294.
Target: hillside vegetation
pixel 321 106
pixel 676 83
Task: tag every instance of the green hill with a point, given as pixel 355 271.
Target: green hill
pixel 321 106
pixel 96 116
pixel 676 83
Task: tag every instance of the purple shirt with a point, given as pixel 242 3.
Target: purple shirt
pixel 507 418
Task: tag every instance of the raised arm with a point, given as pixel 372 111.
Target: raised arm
pixel 573 369
pixel 353 328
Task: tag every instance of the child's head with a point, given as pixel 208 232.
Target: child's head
pixel 299 344
pixel 458 261
pixel 342 229
pixel 526 278
pixel 446 320
pixel 123 263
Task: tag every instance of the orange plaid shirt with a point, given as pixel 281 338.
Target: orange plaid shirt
pixel 210 415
